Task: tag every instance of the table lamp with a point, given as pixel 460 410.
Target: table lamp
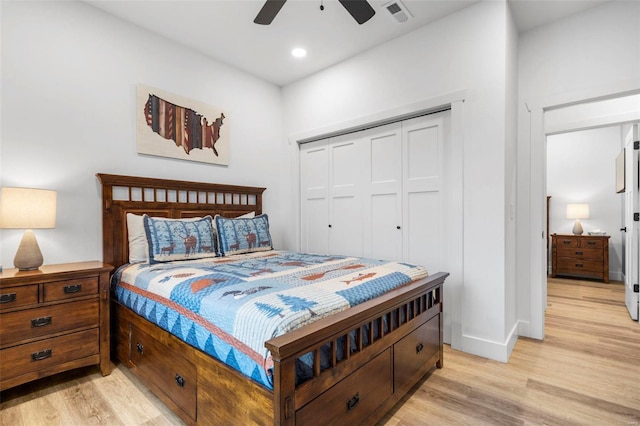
pixel 577 212
pixel 27 208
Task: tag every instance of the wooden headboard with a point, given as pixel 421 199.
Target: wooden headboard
pixel 164 198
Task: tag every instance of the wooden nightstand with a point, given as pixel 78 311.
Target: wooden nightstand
pixel 580 256
pixel 52 320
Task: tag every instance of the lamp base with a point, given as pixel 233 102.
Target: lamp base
pixel 28 257
pixel 577 228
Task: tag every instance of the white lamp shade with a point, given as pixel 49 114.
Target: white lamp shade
pixel 577 211
pixel 27 208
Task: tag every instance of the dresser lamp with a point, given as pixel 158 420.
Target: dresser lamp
pixel 577 212
pixel 27 208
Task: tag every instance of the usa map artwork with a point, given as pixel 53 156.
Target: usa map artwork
pixel 172 126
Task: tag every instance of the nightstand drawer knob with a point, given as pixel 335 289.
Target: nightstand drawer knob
pixel 39 356
pixel 40 322
pixel 180 380
pixel 8 298
pixel 139 347
pixel 68 289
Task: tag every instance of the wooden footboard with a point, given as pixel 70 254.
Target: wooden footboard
pixel 387 345
pixel 398 338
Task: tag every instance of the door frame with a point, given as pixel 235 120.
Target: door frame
pixel 535 230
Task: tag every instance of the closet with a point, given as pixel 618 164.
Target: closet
pixel 377 192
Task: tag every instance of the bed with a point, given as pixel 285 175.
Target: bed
pixel 352 365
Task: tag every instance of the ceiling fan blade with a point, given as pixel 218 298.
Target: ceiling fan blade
pixel 361 10
pixel 269 11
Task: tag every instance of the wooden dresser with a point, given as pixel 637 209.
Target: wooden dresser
pixel 52 320
pixel 580 256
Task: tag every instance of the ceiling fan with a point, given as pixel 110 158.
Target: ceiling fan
pixel 361 10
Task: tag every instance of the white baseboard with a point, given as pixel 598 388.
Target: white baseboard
pixel 498 351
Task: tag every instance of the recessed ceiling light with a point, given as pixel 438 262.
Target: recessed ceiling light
pixel 299 52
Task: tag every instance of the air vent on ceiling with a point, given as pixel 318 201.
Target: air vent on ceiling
pixel 398 10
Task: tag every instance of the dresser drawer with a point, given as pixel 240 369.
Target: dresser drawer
pixel 594 243
pixel 580 253
pixel 166 368
pixel 351 401
pixel 39 355
pixel 61 290
pixel 410 355
pixel 31 323
pixel 572 266
pixel 568 242
pixel 14 297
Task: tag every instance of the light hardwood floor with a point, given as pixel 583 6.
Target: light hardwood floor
pixel 585 372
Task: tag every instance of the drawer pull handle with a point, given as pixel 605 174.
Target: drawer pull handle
pixel 180 380
pixel 566 242
pixel 39 356
pixel 579 265
pixel 140 348
pixel 68 289
pixel 8 298
pixel 579 253
pixel 353 402
pixel 419 348
pixel 591 243
pixel 40 322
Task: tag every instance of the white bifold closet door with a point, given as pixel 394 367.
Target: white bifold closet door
pixel 375 193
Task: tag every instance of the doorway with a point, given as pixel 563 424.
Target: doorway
pixel 534 266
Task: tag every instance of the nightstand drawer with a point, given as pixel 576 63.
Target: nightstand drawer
pixel 27 324
pixel 580 253
pixel 39 355
pixel 578 266
pixel 61 290
pixel 14 297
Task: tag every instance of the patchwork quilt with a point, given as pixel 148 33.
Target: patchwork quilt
pixel 229 306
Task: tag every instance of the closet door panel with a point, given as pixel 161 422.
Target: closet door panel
pixel 314 195
pixel 423 222
pixel 383 192
pixel 345 196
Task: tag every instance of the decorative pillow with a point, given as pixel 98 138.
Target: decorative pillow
pixel 243 235
pixel 138 247
pixel 179 239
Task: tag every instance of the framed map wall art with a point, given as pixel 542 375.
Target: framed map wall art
pixel 170 125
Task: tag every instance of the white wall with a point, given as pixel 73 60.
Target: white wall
pixel 465 51
pixel 69 76
pixel 589 55
pixel 581 169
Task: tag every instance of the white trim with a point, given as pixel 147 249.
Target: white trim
pixel 382 117
pixel 499 351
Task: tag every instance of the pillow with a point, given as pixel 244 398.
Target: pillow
pixel 243 235
pixel 179 239
pixel 249 215
pixel 138 247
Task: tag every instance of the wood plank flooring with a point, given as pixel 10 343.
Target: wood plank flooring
pixel 585 372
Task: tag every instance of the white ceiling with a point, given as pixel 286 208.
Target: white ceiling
pixel 224 29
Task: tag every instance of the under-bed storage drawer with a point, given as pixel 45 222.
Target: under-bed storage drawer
pixel 411 354
pixel 351 401
pixel 171 373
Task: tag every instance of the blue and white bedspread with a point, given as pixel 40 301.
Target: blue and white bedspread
pixel 229 306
